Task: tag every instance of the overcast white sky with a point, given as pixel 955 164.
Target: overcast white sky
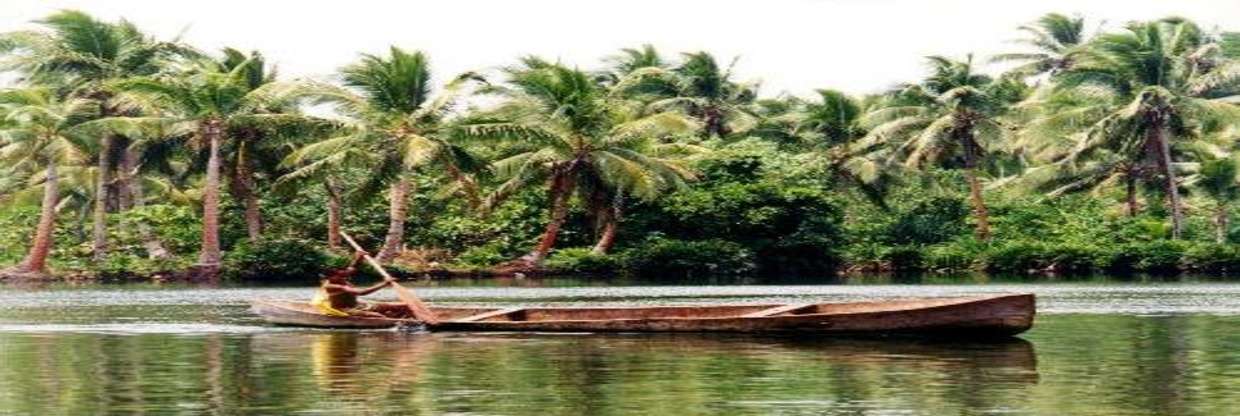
pixel 791 45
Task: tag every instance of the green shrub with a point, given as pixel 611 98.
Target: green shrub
pixel 952 257
pixel 931 221
pixel 276 259
pixel 1159 256
pixel 1212 258
pixel 581 260
pixel 1030 256
pixel 1016 257
pixel 865 255
pixel 484 255
pixel 905 258
pixel 677 258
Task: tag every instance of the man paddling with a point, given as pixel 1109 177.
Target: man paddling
pixel 338 297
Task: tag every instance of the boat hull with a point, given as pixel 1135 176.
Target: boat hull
pixel 987 316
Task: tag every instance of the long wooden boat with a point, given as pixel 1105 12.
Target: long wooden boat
pixel 996 315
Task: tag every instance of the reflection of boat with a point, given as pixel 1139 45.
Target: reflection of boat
pixel 1011 360
pixel 999 315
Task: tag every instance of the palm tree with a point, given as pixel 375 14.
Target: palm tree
pixel 630 60
pixel 1152 84
pixel 1055 40
pixel 699 88
pixel 576 136
pixel 834 119
pixel 42 131
pixel 255 151
pixel 205 103
pixel 947 120
pixel 81 55
pixel 399 126
pixel 1217 178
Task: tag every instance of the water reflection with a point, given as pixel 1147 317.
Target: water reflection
pixel 488 374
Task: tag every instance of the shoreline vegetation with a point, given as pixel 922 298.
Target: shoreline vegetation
pixel 1086 149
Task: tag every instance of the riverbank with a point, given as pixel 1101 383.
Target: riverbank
pixel 1163 260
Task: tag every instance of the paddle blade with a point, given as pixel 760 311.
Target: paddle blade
pixel 419 310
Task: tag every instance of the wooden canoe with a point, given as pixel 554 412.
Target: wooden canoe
pixel 996 315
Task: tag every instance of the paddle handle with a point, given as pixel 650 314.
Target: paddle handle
pixel 411 300
pixel 370 260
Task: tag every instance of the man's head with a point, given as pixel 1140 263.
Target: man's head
pixel 341 275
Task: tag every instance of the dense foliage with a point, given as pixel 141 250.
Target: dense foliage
pixel 124 155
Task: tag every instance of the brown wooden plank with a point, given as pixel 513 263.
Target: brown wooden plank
pixel 486 315
pixel 777 310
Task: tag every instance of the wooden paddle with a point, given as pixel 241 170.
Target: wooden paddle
pixel 419 309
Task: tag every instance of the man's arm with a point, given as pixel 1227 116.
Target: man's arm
pixel 357 258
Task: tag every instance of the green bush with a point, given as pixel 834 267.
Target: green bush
pixel 1212 258
pixel 905 258
pixel 276 259
pixel 677 258
pixel 1029 256
pixel 1159 256
pixel 483 255
pixel 581 260
pixel 790 228
pixel 931 221
pixel 956 256
pixel 1016 257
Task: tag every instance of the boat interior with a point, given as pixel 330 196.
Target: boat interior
pixel 661 312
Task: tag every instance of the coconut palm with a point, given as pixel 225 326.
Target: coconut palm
pixel 81 55
pixel 699 88
pixel 1054 38
pixel 1154 84
pixel 834 119
pixel 43 132
pixel 632 59
pixel 399 125
pixel 204 103
pixel 255 151
pixel 949 119
pixel 576 136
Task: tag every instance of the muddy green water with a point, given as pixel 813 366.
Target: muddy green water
pixel 1098 348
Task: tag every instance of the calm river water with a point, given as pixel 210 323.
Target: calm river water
pixel 1098 348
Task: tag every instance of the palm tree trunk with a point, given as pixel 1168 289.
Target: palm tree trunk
pixel 36 259
pixel 397 210
pixel 99 246
pixel 468 185
pixel 561 189
pixel 979 205
pixel 242 185
pixel 333 214
pixel 1221 223
pixel 209 255
pixel 610 219
pixel 1130 187
pixel 154 248
pixel 124 180
pixel 1155 135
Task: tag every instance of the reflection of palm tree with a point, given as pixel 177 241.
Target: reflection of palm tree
pixel 334 363
pixel 367 366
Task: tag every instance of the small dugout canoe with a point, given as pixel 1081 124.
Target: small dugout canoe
pixel 976 316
